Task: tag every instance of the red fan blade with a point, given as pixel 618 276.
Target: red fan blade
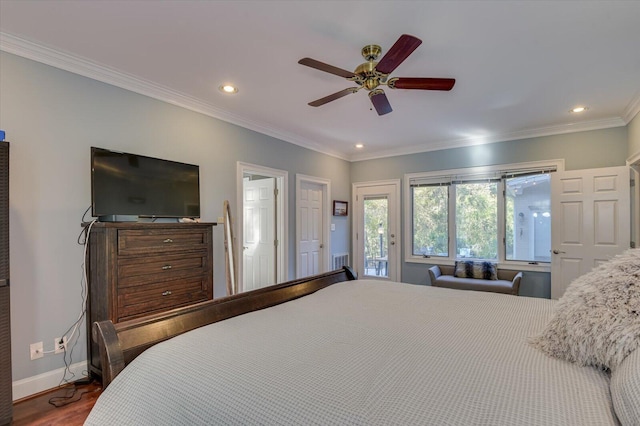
pixel 400 51
pixel 422 83
pixel 380 102
pixel 326 68
pixel 334 96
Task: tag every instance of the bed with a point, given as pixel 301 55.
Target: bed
pixel 335 350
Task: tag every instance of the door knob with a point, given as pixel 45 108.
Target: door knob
pixel 556 251
pixel 393 243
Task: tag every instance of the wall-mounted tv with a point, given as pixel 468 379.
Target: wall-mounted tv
pixel 125 184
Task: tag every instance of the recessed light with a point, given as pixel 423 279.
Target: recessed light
pixel 579 109
pixel 359 145
pixel 228 88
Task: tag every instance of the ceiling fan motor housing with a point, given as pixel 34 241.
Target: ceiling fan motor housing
pixel 370 77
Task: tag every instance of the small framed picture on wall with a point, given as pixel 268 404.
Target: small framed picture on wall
pixel 340 208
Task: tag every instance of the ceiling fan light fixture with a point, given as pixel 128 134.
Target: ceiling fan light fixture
pixel 229 89
pixel 359 145
pixel 578 109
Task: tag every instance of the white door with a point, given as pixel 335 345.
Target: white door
pixel 310 223
pixel 376 239
pixel 258 254
pixel 590 224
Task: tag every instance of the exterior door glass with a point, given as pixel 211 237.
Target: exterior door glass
pixel 376 241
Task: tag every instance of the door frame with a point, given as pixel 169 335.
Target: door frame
pixel 397 264
pixel 326 222
pixel 634 165
pixel 282 219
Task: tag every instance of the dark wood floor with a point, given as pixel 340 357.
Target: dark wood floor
pixel 77 400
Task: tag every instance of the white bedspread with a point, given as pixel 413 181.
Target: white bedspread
pixel 363 353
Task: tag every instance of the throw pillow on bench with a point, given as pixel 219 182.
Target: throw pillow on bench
pixel 475 269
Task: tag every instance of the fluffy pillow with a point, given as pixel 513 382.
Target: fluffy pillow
pixel 480 270
pixel 597 320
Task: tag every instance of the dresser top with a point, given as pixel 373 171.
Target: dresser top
pixel 147 224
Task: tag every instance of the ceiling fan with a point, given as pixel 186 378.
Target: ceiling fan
pixel 371 74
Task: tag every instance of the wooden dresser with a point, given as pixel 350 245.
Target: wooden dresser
pixel 137 269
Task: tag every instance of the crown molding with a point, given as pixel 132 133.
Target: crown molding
pixel 504 137
pixel 632 109
pixel 86 68
pixel 634 160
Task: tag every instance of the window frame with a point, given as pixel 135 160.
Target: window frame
pixel 471 173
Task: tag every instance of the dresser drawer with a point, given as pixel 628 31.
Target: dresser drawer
pixel 141 270
pixel 163 240
pixel 142 300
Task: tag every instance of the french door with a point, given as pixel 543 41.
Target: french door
pixel 376 230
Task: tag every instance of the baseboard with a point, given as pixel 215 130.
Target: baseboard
pixel 45 381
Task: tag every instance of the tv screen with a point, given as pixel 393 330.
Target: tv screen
pixel 130 184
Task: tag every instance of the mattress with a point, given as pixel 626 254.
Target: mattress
pixel 363 352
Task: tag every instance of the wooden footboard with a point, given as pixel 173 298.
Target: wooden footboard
pixel 121 343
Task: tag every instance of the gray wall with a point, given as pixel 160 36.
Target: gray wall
pixel 52 118
pixel 583 150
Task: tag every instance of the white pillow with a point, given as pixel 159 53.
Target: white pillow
pixel 597 320
pixel 625 390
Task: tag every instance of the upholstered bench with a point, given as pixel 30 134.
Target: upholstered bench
pixel 506 281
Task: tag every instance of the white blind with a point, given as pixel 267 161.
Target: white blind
pixel 485 176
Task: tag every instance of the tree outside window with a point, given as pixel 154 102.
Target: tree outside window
pixel 477 220
pixel 471 208
pixel 431 220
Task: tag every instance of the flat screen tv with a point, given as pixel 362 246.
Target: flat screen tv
pixel 125 184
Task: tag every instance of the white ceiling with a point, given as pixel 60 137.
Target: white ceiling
pixel 519 65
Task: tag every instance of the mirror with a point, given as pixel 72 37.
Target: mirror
pixel 229 251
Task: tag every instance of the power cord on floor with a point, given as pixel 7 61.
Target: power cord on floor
pixel 74 393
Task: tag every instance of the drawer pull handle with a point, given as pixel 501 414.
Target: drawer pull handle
pixel 165 267
pixel 168 240
pixel 166 293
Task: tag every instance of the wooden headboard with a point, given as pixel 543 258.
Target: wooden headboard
pixel 121 343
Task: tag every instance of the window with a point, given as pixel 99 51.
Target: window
pixel 528 218
pixel 430 220
pixel 376 219
pixel 501 214
pixel 476 211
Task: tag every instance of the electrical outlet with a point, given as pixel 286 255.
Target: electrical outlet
pixel 60 344
pixel 36 350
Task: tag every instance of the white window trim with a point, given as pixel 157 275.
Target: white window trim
pixel 470 171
